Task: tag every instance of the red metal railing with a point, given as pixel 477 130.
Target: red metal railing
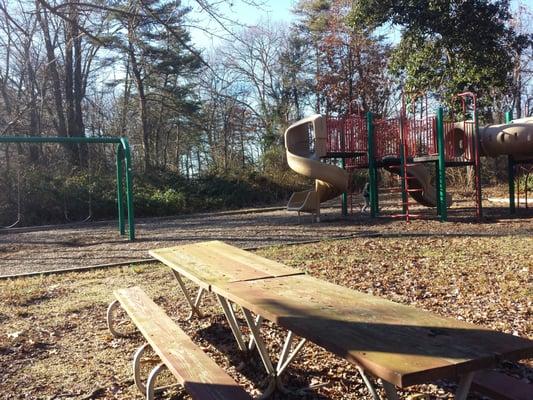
pixel 387 138
pixel 347 134
pixel 421 136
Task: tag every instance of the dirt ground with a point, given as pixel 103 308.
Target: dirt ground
pixel 64 247
pixel 54 343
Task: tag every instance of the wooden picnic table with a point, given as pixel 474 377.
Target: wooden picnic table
pixel 400 344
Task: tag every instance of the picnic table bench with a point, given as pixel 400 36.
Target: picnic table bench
pixel 399 344
pixel 195 371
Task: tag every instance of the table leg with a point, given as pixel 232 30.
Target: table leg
pixel 285 358
pixel 251 342
pixel 390 390
pixel 194 304
pixel 368 383
pixel 464 386
pixel 232 321
pixel 261 348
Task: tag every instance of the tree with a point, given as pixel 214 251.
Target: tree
pixel 351 66
pixel 254 61
pixel 447 46
pixel 151 35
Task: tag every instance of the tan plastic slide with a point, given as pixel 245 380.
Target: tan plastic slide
pixel 422 180
pixel 304 148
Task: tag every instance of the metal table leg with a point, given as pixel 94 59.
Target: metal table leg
pixel 232 321
pixel 194 304
pixel 464 386
pixel 285 358
pixel 368 383
pixel 390 390
pixel 251 342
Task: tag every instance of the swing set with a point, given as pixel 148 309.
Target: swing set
pixel 123 176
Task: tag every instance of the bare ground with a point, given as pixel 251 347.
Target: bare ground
pixel 54 343
pixel 64 247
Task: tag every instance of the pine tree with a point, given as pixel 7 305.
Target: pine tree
pixel 151 35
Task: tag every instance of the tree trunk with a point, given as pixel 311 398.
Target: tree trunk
pixel 126 102
pixel 145 131
pixel 54 74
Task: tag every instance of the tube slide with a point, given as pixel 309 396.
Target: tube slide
pixel 304 149
pixel 515 138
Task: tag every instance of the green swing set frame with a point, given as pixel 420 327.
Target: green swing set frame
pixel 123 171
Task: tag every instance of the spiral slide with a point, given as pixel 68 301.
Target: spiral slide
pixel 304 149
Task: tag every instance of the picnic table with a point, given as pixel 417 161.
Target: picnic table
pixel 399 344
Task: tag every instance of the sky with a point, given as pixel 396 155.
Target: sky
pixel 240 12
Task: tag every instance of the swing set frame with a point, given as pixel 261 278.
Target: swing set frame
pixel 123 171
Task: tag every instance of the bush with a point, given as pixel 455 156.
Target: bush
pixel 49 196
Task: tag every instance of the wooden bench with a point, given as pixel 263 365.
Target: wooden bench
pixel 201 377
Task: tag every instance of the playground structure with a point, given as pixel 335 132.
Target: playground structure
pixel 406 146
pixel 123 176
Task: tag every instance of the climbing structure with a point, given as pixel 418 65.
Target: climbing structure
pixel 410 146
pixel 399 145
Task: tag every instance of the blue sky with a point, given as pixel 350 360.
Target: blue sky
pixel 277 10
pixel 237 10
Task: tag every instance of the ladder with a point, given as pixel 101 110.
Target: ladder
pixel 405 179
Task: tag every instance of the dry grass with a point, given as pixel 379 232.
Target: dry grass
pixel 54 343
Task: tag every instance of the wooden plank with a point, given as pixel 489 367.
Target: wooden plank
pixel 499 386
pixel 207 263
pixel 398 343
pixel 252 260
pixel 201 376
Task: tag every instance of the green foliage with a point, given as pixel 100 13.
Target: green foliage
pixel 274 160
pixel 47 196
pixel 350 65
pixel 448 46
pixel 315 13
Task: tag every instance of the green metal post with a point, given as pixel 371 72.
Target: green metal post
pixel 372 170
pixel 345 194
pixel 511 171
pixel 441 195
pixel 129 188
pixel 120 188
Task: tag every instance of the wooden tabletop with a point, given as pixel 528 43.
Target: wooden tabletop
pixel 398 343
pixel 215 262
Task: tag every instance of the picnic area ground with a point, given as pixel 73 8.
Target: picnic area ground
pixel 54 343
